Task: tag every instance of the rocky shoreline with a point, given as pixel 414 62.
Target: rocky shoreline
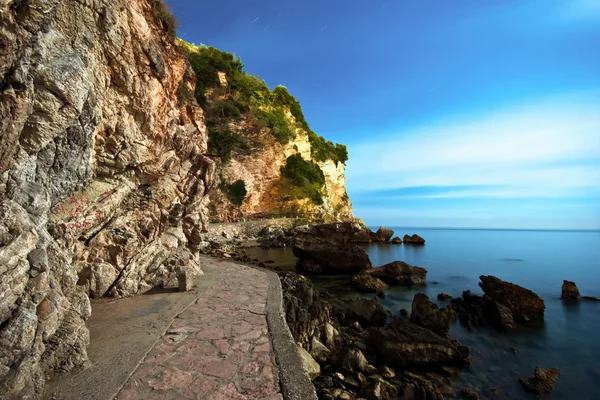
pixel 356 349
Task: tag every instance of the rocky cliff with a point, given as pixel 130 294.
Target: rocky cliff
pixel 264 128
pixel 103 180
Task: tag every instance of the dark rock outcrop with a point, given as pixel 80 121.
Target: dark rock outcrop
pixel 476 310
pixel 542 382
pixel 570 291
pixel 384 234
pixel 364 311
pixel 444 297
pixel 399 273
pixel 469 394
pixel 524 304
pixel 430 316
pixel 339 259
pixel 368 284
pixel 406 344
pixel 396 240
pixel 414 239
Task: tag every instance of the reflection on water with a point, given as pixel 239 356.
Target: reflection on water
pixel 538 260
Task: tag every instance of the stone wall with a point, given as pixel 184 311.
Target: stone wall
pixel 103 181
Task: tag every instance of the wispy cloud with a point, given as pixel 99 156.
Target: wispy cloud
pixel 544 149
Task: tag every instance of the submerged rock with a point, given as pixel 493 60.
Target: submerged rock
pixel 430 316
pixel 542 382
pixel 469 394
pixel 570 291
pixel 524 304
pixel 409 345
pixel 384 234
pixel 399 273
pixel 444 297
pixel 414 239
pixel 369 284
pixel 590 298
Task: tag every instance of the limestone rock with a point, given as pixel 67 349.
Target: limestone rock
pixel 384 234
pixel 524 304
pixel 407 345
pixel 312 367
pixel 570 291
pixel 349 360
pixel 430 316
pixel 341 259
pixel 414 239
pixel 369 284
pixel 399 273
pixel 542 382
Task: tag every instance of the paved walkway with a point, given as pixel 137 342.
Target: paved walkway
pixel 218 348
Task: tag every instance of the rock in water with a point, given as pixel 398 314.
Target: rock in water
pixel 347 258
pixel 590 298
pixel 444 297
pixel 570 291
pixel 414 239
pixel 399 273
pixel 396 240
pixel 430 316
pixel 368 284
pixel 384 234
pixel 409 345
pixel 542 382
pixel 469 394
pixel 524 304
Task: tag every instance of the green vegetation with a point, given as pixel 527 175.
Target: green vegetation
pixel 249 94
pixel 222 142
pixel 183 94
pixel 305 176
pixel 236 192
pixel 164 16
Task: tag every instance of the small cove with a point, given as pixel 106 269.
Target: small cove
pixel 537 260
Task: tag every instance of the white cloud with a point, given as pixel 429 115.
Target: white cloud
pixel 541 149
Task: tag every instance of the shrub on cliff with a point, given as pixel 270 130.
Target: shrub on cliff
pixel 306 176
pixel 164 16
pixel 222 142
pixel 236 192
pixel 280 127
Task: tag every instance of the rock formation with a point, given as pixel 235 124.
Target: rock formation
pixel 103 181
pixel 430 316
pixel 368 284
pixel 524 304
pixel 399 273
pixel 414 239
pixel 542 382
pixel 570 291
pixel 384 234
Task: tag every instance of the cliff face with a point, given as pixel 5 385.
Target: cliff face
pixel 103 181
pixel 264 127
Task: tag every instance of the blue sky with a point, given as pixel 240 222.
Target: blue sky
pixel 463 113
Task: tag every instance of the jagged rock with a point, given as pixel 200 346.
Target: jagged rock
pixel 443 297
pixel 396 240
pixel 476 310
pixel 367 312
pixel 318 350
pixel 524 304
pixel 186 281
pixel 407 345
pixel 414 239
pixel 341 259
pixel 469 394
pixel 368 284
pixel 349 360
pixel 415 387
pixel 570 291
pixel 384 234
pixel 312 367
pixel 399 273
pixel 590 298
pixel 387 372
pixel 379 390
pixel 430 316
pixel 542 382
pixel 307 316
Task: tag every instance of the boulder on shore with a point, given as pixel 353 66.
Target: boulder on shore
pixel 406 345
pixel 399 273
pixel 337 233
pixel 368 284
pixel 570 291
pixel 384 234
pixel 367 312
pixel 414 239
pixel 340 259
pixel 430 316
pixel 542 382
pixel 524 304
pixel 396 240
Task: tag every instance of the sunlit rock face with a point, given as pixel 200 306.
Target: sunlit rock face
pixel 103 181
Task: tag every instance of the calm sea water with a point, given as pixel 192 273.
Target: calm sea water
pixel 569 338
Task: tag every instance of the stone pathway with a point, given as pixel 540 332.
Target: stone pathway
pixel 219 348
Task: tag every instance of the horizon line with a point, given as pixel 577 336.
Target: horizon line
pixel 494 229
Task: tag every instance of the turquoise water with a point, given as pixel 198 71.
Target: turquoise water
pixel 538 260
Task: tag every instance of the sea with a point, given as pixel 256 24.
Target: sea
pixel 569 336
